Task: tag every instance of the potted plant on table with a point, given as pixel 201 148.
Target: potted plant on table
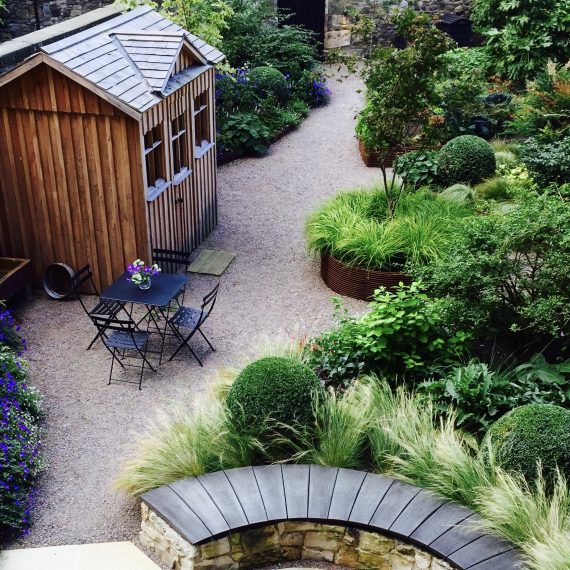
pixel 140 274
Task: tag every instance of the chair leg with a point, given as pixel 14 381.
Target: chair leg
pixel 206 339
pixel 185 342
pixel 112 364
pixel 95 338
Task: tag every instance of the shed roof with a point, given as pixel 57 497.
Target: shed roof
pixel 132 56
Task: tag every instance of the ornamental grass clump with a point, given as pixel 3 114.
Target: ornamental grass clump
pixel 355 227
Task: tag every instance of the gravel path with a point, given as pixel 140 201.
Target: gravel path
pixel 271 286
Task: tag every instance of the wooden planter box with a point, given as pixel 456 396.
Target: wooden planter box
pixel 356 282
pixel 372 157
pixel 15 275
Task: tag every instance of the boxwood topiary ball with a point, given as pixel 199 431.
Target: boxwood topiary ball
pixel 531 433
pixel 468 159
pixel 273 388
pixel 269 81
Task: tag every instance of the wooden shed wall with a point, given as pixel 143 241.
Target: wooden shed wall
pixel 185 214
pixel 71 188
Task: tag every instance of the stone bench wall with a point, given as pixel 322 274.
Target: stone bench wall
pixel 281 542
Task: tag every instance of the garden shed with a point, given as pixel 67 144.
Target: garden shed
pixel 107 146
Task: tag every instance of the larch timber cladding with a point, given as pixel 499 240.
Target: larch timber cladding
pixel 71 188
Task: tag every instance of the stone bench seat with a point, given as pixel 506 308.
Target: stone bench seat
pixel 207 507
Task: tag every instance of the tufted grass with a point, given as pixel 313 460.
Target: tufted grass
pixel 370 427
pixel 356 229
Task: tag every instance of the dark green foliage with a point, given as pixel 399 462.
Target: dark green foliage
pixel 252 40
pixel 480 395
pixel 267 81
pixel 523 35
pixel 273 389
pixel 418 168
pixel 466 159
pixel 403 335
pixel 244 133
pixel 543 111
pixel 508 272
pixel 549 163
pixel 531 434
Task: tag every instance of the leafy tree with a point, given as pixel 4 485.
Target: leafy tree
pixel 522 35
pixel 400 90
pixel 205 18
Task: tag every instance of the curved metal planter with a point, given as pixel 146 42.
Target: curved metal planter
pixel 356 282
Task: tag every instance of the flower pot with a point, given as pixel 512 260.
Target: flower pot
pixel 357 282
pixel 372 158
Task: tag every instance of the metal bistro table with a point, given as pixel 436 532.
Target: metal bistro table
pixel 162 292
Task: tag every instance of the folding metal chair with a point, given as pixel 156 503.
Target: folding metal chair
pixel 193 318
pixel 119 336
pixel 171 261
pixel 105 308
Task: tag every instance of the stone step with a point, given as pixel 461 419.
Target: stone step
pixel 108 556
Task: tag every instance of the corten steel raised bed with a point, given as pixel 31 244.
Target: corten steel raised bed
pixel 357 282
pixel 371 158
pixel 15 275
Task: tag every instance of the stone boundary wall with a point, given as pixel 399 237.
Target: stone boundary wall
pixel 282 542
pixel 19 18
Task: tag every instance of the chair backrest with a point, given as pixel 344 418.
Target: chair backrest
pixel 208 302
pixel 170 260
pixel 106 323
pixel 79 279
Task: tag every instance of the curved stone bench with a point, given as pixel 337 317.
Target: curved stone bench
pixel 208 507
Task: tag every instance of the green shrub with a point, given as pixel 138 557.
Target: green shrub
pixel 467 159
pixel 496 188
pixel 548 163
pixel 507 272
pixel 505 158
pixel 514 30
pixel 355 227
pixel 403 334
pixel 273 389
pixel 543 110
pixel 478 395
pixel 268 81
pixel 531 434
pixel 417 168
pixel 244 133
pixel 252 39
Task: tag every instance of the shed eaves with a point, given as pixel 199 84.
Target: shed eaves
pixel 131 56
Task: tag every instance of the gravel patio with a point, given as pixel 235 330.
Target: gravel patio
pixel 272 286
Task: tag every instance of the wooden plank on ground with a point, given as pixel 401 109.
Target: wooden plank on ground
pixel 211 262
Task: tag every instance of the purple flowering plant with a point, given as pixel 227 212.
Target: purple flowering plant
pixel 140 274
pixel 20 433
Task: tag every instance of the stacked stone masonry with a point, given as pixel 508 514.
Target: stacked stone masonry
pixel 338 25
pixel 283 542
pixel 19 17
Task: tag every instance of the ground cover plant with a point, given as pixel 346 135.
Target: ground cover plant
pixel 20 437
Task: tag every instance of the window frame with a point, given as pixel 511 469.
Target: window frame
pixel 155 153
pixel 202 121
pixel 179 147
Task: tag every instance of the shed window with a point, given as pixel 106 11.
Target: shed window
pixel 202 134
pixel 179 141
pixel 155 162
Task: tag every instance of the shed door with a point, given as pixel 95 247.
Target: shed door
pixel 308 13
